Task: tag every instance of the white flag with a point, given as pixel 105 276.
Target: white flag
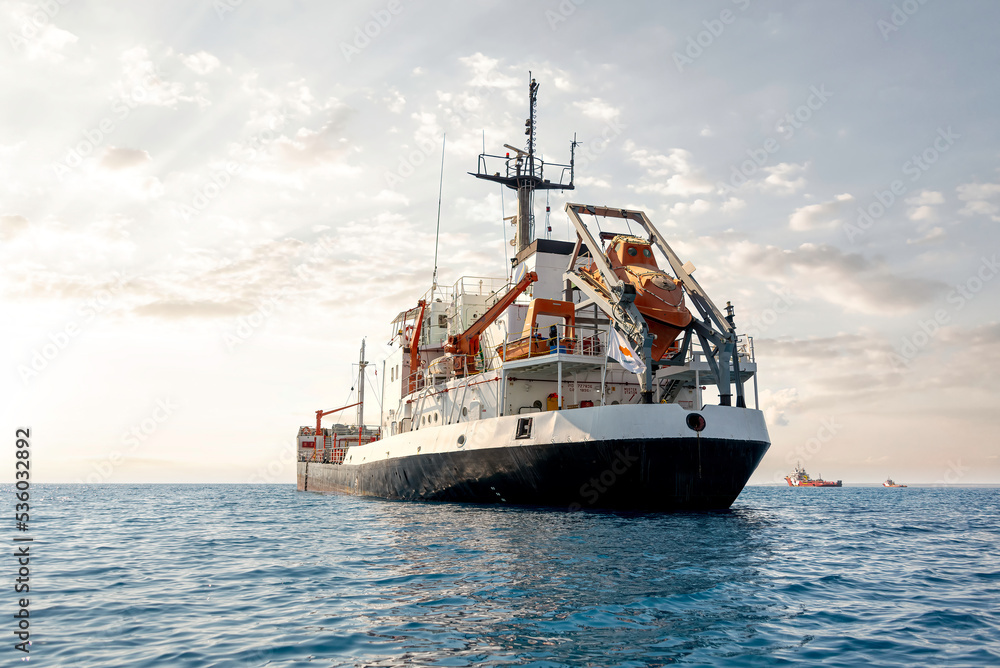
pixel 621 351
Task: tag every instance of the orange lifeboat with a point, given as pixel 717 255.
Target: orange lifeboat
pixel 658 296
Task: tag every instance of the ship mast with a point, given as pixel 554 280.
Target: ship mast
pixel 361 390
pixel 525 173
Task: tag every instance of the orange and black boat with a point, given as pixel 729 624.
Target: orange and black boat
pixel 801 479
pixel 573 381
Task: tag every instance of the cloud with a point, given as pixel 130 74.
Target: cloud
pixel 776 403
pixel 41 40
pixel 123 158
pixel 935 234
pixel 922 214
pixel 597 109
pixel 12 226
pixel 328 143
pixel 143 84
pixel 485 72
pixel 201 62
pixel 819 216
pixel 844 366
pixel 784 178
pixel 922 209
pixel 394 101
pixel 671 173
pixel 980 208
pixel 976 196
pixel 956 358
pixel 926 197
pixel 698 206
pixel 849 280
pixel 592 182
pixel 732 204
pixel 179 309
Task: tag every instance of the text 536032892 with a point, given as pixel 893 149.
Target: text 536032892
pixel 22 508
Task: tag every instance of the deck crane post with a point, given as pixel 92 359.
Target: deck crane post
pixel 467 343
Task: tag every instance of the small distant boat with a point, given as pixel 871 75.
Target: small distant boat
pixel 889 483
pixel 801 479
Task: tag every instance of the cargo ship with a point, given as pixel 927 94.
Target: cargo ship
pixel 801 479
pixel 576 381
pixel 889 483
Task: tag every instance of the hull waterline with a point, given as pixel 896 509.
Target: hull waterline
pixel 650 474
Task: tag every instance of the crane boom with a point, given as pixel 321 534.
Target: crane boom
pixel 467 343
pixel 321 414
pixel 414 346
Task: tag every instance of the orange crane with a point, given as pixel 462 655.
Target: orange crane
pixel 467 343
pixel 321 414
pixel 414 346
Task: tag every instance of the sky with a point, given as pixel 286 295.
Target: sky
pixel 205 205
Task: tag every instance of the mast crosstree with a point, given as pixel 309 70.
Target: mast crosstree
pixel 525 173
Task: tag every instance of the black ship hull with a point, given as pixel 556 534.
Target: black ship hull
pixel 638 474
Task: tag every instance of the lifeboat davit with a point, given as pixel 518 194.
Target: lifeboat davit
pixel 658 296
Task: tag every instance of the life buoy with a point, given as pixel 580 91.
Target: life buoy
pixel 408 332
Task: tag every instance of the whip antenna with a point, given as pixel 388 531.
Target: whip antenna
pixel 437 233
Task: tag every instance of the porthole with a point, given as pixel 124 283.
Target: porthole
pixel 632 251
pixel 461 440
pixel 695 421
pixel 435 417
pixel 465 411
pixel 646 252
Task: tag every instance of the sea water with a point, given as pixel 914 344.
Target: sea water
pixel 235 575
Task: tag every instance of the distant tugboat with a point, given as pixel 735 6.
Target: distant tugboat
pixel 801 479
pixel 889 483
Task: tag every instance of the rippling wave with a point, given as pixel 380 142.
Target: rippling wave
pixel 220 575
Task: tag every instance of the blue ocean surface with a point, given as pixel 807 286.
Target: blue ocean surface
pixel 235 575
